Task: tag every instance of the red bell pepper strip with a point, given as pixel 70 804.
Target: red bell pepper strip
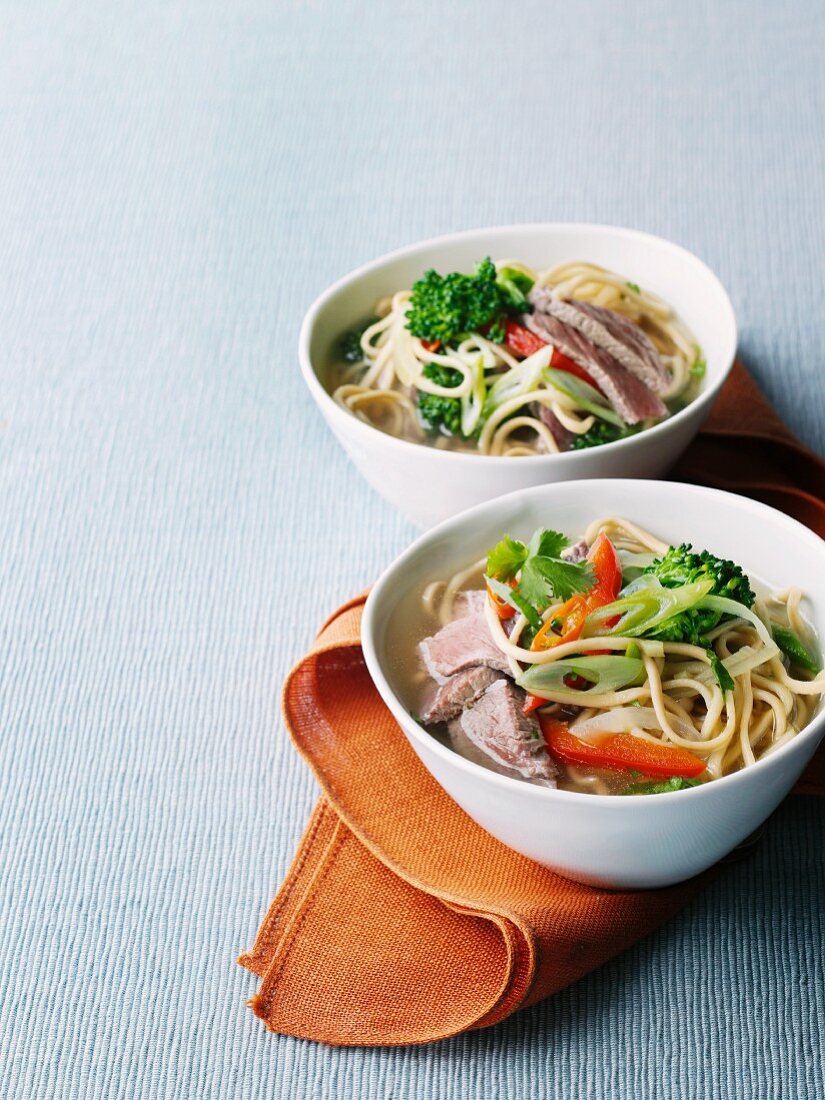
pixel 559 361
pixel 503 610
pixel 608 572
pixel 521 341
pixel 619 750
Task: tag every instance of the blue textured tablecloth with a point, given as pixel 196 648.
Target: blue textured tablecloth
pixel 177 182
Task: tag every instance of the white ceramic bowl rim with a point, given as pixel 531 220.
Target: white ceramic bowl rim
pixel 704 399
pixel 530 790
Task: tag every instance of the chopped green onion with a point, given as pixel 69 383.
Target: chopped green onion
pixel 645 607
pixel 518 381
pixel 583 394
pixel 663 786
pixel 794 649
pixel 603 674
pixel 472 403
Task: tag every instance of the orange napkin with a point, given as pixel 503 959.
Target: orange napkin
pixel 400 920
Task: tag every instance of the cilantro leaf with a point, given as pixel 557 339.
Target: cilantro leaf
pixel 543 575
pixel 662 786
pixel 544 578
pixel 634 286
pixel 547 543
pixel 723 677
pixel 506 558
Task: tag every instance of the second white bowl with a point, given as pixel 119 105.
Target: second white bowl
pixel 608 840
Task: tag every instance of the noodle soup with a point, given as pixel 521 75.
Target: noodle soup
pixel 609 663
pixel 511 361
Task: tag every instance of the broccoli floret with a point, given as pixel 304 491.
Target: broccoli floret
pixel 440 412
pixel 601 432
pixel 449 307
pixel 516 284
pixel 349 346
pixel 688 626
pixel 680 565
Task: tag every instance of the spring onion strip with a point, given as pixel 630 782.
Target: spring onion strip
pixel 545 656
pixel 603 673
pixel 473 402
pixel 585 396
pixel 519 380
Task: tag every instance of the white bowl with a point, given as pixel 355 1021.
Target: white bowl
pixel 607 840
pixel 429 485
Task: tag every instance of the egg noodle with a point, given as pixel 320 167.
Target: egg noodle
pixel 680 701
pixel 380 389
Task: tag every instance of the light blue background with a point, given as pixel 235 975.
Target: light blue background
pixel 177 183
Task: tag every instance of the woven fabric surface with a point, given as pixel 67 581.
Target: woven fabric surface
pixel 400 921
pixel 178 181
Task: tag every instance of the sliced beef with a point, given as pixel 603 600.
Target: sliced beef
pixel 461 644
pixel 611 332
pixel 469 602
pixel 458 692
pixel 558 431
pixel 625 341
pixel 495 732
pixel 629 396
pixel 577 552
